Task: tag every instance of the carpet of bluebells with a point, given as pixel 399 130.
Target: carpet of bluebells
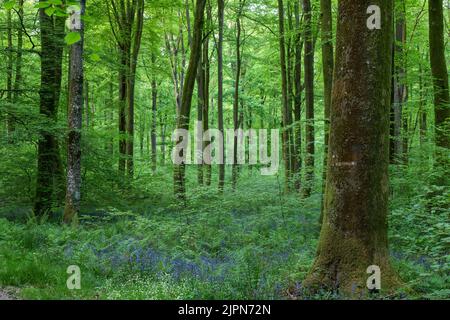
pixel 255 243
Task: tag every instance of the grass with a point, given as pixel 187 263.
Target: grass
pixel 251 244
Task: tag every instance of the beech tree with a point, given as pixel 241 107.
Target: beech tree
pixel 50 179
pixel 354 229
pixel 440 75
pixel 75 115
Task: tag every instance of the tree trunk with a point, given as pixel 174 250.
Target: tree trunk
pixel 200 107
pixel 154 117
pixel 399 88
pixel 298 94
pixel 440 77
pixel 221 9
pixel 127 24
pixel 328 67
pixel 50 179
pixel 206 69
pixel 354 229
pixel 18 76
pixel 236 97
pixel 75 115
pixel 184 116
pixel 309 91
pixel 285 98
pixel 9 74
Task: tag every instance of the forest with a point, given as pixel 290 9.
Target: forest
pixel 224 150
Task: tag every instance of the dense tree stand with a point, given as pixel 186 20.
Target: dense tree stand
pixel 354 230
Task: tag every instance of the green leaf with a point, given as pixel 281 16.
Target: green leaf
pixel 49 11
pixel 9 5
pixel 72 37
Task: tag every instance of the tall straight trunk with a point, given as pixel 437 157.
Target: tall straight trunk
pixel 122 111
pixel 206 106
pixel 354 229
pixel 290 89
pixel 50 179
pixel 284 94
pixel 75 115
pixel 184 116
pixel 87 103
pixel 398 86
pixel 236 97
pixel 200 107
pixel 9 72
pixel 298 94
pixel 154 119
pixel 136 45
pixel 309 91
pixel 18 77
pixel 422 111
pixel 440 76
pixel 221 9
pixel 328 66
pixel 127 25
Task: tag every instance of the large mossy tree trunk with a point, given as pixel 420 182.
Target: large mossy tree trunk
pixel 354 229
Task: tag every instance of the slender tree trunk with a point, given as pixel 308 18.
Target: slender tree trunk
pixel 9 73
pixel 154 119
pixel 422 111
pixel 399 87
pixel 200 107
pixel 298 94
pixel 183 119
pixel 309 91
pixel 236 97
pixel 127 25
pixel 221 9
pixel 73 186
pixel 354 229
pixel 440 77
pixel 328 66
pixel 18 77
pixel 122 113
pixel 206 69
pixel 285 98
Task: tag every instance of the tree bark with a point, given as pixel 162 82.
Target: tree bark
pixel 285 98
pixel 309 91
pixel 354 229
pixel 9 73
pixel 221 9
pixel 298 94
pixel 154 119
pixel 236 96
pixel 184 116
pixel 328 67
pixel 50 181
pixel 75 115
pixel 440 76
pixel 127 25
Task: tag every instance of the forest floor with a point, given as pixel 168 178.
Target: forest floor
pixel 255 243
